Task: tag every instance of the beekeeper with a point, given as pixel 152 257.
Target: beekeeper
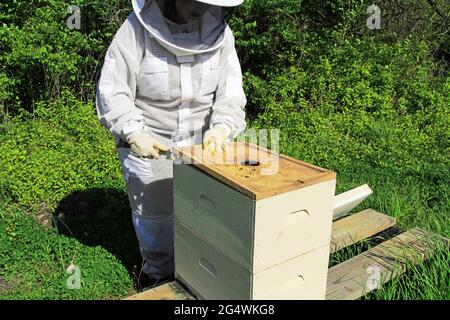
pixel 171 77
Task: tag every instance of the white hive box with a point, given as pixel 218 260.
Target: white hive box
pixel 242 234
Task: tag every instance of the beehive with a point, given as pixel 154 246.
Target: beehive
pixel 253 225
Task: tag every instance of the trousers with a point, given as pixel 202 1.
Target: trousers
pixel 150 192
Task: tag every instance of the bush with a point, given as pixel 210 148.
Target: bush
pixel 61 150
pixel 376 103
pixel 42 57
pixel 273 35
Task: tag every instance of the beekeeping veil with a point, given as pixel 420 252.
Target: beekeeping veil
pixel 212 28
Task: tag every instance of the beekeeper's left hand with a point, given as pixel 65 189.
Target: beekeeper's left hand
pixel 216 139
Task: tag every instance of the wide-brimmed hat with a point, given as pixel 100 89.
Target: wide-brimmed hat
pixel 223 3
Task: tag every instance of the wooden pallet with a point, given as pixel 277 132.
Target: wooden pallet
pixel 349 279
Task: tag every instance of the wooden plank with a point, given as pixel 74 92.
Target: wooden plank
pixel 169 291
pixel 345 232
pixel 357 227
pixel 349 279
pixel 288 173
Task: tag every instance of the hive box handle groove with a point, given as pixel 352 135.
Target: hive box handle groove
pixel 207 202
pixel 296 217
pixel 205 264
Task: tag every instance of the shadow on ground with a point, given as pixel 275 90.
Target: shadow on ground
pixel 101 217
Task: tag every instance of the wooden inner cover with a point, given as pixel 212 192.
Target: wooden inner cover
pixel 252 170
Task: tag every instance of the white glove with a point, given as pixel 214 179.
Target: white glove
pixel 144 145
pixel 216 139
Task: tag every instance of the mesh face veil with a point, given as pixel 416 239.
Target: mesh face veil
pixel 212 27
pixel 199 9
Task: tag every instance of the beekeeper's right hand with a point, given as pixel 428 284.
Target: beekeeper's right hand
pixel 143 145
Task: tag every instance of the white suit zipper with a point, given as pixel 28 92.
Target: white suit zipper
pixel 187 95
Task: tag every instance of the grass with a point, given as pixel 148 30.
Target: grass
pixel 34 263
pixel 417 196
pixel 92 225
pixel 425 281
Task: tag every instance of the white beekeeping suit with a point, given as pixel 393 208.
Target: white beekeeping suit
pixel 172 82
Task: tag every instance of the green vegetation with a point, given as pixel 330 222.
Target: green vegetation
pixel 34 263
pixel 372 105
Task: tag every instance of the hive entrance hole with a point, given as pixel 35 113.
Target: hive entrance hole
pixel 251 163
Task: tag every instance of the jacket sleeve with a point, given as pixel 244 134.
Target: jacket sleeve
pixel 228 109
pixel 116 89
